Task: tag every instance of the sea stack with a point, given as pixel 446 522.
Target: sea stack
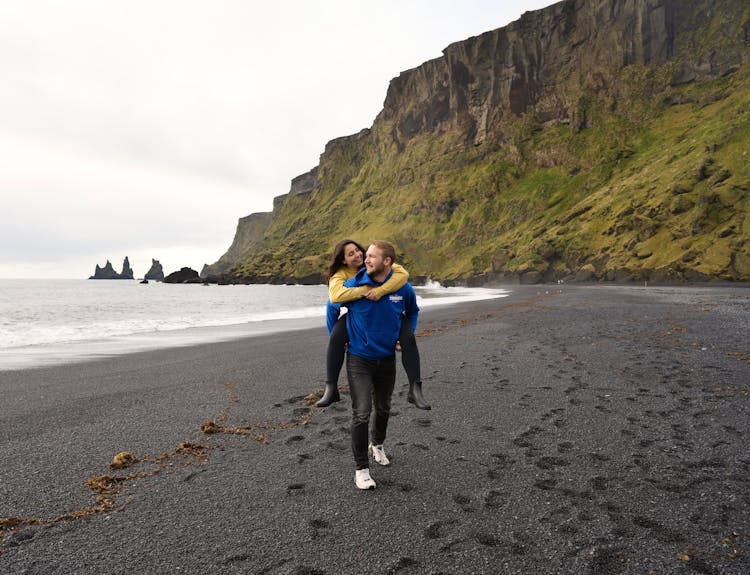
pixel 108 272
pixel 156 272
pixel 184 276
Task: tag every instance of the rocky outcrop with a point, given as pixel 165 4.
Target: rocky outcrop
pixel 155 272
pixel 108 272
pixel 104 273
pixel 127 271
pixel 183 276
pixel 304 184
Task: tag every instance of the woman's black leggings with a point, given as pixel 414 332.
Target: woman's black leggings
pixel 340 337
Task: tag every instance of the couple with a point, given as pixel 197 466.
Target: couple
pixel 382 313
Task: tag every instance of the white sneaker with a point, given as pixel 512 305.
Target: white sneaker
pixel 363 480
pixel 379 454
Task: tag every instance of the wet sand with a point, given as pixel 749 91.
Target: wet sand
pixel 574 430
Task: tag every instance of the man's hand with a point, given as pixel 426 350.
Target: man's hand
pixel 398 345
pixel 372 296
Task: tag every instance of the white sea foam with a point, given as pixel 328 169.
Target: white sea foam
pixel 434 294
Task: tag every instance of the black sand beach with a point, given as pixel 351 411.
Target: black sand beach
pixel 574 430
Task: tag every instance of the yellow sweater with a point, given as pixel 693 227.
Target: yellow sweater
pixel 337 293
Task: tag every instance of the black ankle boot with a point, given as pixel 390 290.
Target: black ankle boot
pixel 415 396
pixel 330 396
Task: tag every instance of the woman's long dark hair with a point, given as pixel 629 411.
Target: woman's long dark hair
pixel 337 259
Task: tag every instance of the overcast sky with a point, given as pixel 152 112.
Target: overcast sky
pixel 148 128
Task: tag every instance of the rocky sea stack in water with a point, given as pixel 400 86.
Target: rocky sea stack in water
pixel 156 272
pixel 108 272
pixel 184 276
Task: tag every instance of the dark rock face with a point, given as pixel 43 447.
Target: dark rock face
pixel 184 276
pixel 539 61
pixel 127 271
pixel 108 272
pixel 305 183
pixel 105 273
pixel 155 272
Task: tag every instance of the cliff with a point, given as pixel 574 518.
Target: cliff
pixel 250 231
pixel 591 140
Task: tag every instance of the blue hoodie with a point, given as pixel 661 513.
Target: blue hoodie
pixel 374 326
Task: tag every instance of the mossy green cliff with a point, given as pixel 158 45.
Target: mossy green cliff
pixel 592 140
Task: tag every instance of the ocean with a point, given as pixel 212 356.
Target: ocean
pixel 48 322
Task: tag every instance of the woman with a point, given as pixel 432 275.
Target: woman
pixel 347 259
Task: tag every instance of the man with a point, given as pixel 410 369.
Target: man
pixel 373 328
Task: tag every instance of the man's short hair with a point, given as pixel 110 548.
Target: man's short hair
pixel 387 248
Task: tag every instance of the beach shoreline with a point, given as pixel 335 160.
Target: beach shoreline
pixel 574 429
pixel 57 324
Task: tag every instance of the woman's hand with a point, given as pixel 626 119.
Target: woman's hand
pixel 372 296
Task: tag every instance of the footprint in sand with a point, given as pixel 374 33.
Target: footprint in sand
pixel 403 487
pixel 405 565
pixel 502 460
pixel 318 527
pixel 495 499
pixel 487 539
pixel 546 484
pixel 524 439
pixel 439 529
pixel 193 475
pixel 464 502
pixel 294 439
pixel 239 558
pixel 599 458
pixel 659 531
pixel 565 447
pixel 496 473
pixel 599 483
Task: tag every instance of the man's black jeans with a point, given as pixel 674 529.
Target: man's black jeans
pixel 370 382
